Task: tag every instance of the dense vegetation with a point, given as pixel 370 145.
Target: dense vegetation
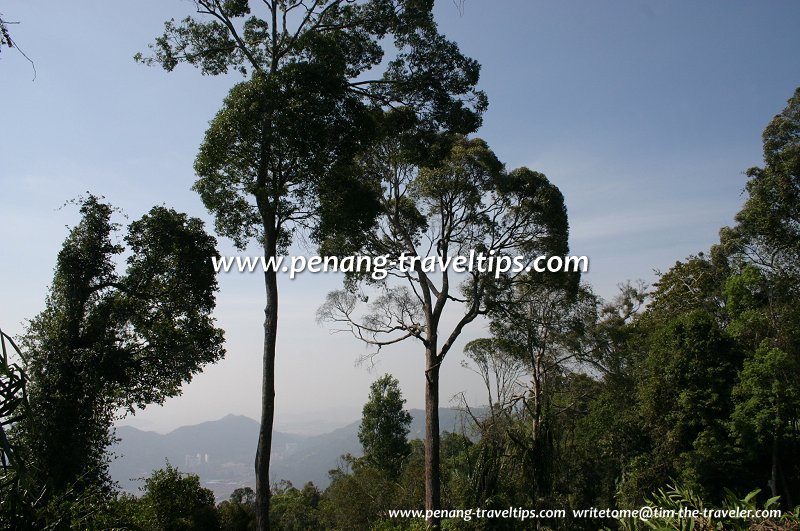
pixel 683 395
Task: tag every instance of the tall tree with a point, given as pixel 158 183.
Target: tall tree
pixel 363 489
pixel 466 203
pixel 761 295
pixel 492 467
pixel 608 434
pixel 384 427
pixel 720 345
pixel 767 399
pixel 684 394
pixel 540 323
pixel 276 157
pixel 109 340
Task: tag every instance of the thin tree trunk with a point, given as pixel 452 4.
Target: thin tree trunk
pixel 787 493
pixel 777 469
pixel 267 396
pixel 432 471
pixel 773 481
pixel 264 448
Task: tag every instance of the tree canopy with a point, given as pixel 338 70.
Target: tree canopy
pixel 279 157
pixel 384 427
pixel 110 340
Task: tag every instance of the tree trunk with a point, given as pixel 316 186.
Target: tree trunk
pixel 432 471
pixel 773 479
pixel 267 397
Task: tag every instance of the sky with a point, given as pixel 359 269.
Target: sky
pixel 644 113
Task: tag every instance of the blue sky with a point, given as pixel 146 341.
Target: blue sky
pixel 644 113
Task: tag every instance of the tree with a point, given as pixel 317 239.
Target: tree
pixel 173 501
pixel 238 513
pixel 761 295
pixel 559 423
pixel 720 345
pixel 384 427
pixel 684 395
pixel 539 322
pixel 277 157
pixel 767 231
pixel 359 496
pixel 767 403
pixel 109 340
pixel 607 432
pixel 363 489
pixel 295 510
pixel 465 203
pixel 490 469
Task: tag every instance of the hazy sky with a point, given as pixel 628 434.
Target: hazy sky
pixel 644 113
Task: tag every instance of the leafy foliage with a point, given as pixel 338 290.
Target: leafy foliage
pixel 384 427
pixel 462 204
pixel 280 154
pixel 108 340
pixel 238 513
pixel 174 501
pixel 588 403
pixel 14 480
pixel 295 509
pixel 676 498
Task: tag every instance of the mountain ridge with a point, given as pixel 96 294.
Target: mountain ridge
pixel 222 452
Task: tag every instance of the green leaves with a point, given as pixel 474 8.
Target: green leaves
pixel 275 149
pixel 285 141
pixel 767 398
pixel 384 427
pixel 768 227
pixel 206 45
pixel 236 8
pixel 109 339
pixel 166 299
pixel 431 75
pixel 173 501
pixel 720 340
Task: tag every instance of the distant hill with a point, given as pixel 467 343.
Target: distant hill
pixel 222 452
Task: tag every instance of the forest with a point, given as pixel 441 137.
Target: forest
pixel 355 129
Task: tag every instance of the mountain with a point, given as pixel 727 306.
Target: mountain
pixel 222 452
